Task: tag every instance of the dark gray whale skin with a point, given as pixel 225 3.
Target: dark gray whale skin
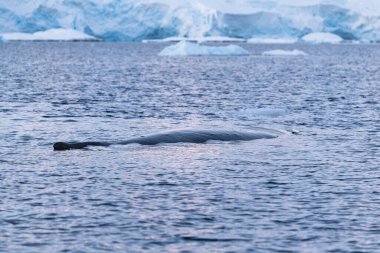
pixel 190 136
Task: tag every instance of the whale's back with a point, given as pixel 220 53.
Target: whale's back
pixel 192 136
pixel 199 136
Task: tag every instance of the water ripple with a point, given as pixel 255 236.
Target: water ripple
pixel 312 192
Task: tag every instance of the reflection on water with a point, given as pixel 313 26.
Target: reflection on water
pixel 311 192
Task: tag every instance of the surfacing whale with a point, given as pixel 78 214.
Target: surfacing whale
pixel 190 136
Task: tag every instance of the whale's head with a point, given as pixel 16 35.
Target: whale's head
pixel 61 146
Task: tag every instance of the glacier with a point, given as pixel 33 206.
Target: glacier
pixel 185 48
pixel 255 20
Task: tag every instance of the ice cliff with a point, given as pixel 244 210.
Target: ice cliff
pixel 131 20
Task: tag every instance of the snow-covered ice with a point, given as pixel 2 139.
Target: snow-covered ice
pixel 280 52
pixel 185 48
pixel 128 20
pixel 317 38
pixel 52 35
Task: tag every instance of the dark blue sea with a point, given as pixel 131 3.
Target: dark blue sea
pixel 317 190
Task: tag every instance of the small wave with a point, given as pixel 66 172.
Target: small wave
pixel 264 112
pixel 211 239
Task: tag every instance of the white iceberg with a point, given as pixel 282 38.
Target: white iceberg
pixel 59 34
pixel 197 39
pixel 185 48
pixel 280 52
pixel 219 39
pixel 262 40
pixel 318 38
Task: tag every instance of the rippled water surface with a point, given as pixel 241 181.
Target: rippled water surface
pixel 317 191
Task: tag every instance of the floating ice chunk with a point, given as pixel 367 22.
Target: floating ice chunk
pixel 59 34
pixel 280 52
pixel 318 38
pixel 219 39
pixel 184 48
pixel 17 36
pixel 168 39
pixel 263 112
pixel 197 39
pixel 262 40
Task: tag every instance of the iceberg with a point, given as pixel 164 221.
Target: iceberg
pixel 197 39
pixel 50 35
pixel 185 48
pixel 280 52
pixel 219 39
pixel 317 38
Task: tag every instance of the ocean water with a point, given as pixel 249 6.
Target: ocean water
pixel 314 191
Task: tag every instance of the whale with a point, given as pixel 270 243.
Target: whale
pixel 178 136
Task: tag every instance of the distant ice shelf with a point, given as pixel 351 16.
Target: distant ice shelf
pixel 59 34
pixel 280 52
pixel 185 48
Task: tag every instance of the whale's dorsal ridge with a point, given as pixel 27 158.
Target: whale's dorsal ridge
pixel 177 136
